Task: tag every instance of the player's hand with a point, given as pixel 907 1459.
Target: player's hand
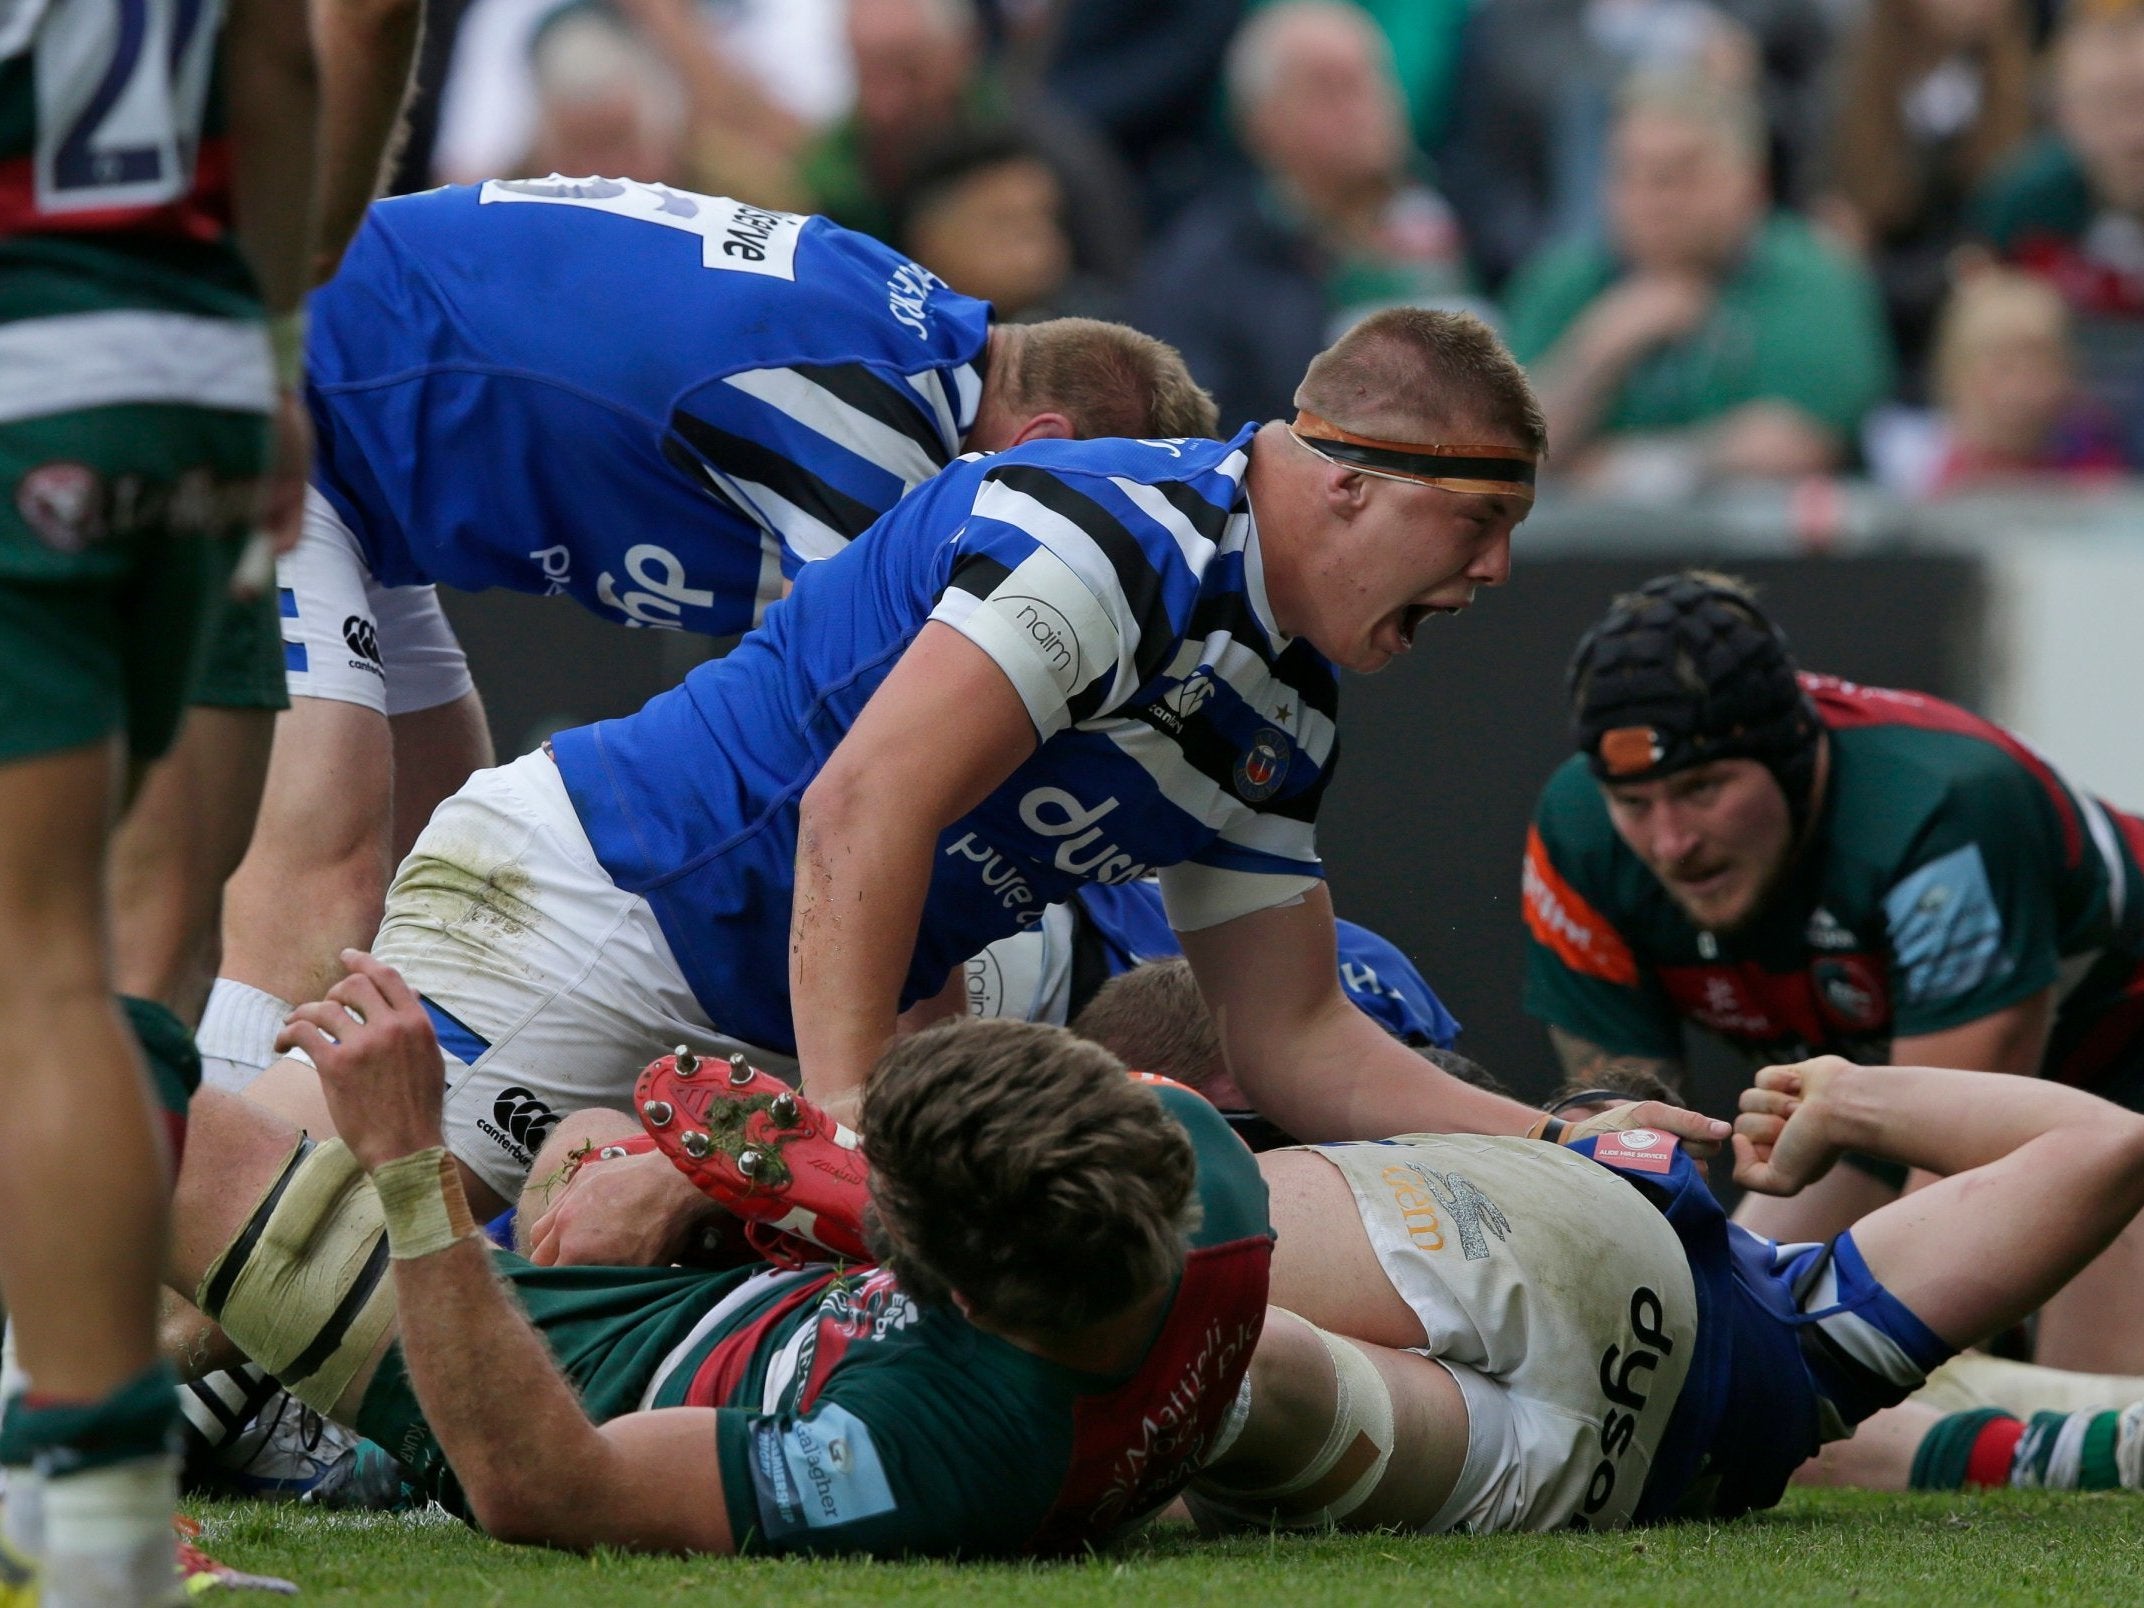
pixel 1701 1136
pixel 290 465
pixel 1782 1143
pixel 379 1062
pixel 635 1211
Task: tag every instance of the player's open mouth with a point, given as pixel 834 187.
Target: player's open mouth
pixel 1414 614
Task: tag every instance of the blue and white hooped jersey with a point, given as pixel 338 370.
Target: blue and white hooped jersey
pixel 658 403
pixel 1118 586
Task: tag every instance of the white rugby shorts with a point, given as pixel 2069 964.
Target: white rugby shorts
pixel 550 986
pixel 348 638
pixel 1555 1295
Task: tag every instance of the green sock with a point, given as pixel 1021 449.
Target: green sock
pixel 139 1419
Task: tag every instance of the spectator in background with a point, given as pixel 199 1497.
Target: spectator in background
pixel 1929 96
pixel 984 212
pixel 605 103
pixel 2070 207
pixel 1254 279
pixel 758 76
pixel 1536 97
pixel 1146 76
pixel 920 77
pixel 2005 373
pixel 1705 335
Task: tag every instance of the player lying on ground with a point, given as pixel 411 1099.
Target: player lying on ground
pixel 1614 1349
pixel 1798 865
pixel 697 397
pixel 1045 1392
pixel 1602 1349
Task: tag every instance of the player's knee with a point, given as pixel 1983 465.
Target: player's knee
pixel 302 1288
pixel 1343 1472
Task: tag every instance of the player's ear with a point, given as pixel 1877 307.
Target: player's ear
pixel 1047 427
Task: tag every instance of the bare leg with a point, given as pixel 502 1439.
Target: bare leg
pixel 1831 1205
pixel 291 1090
pixel 79 1266
pixel 1879 1454
pixel 436 750
pixel 315 878
pixel 177 846
pixel 2095 1324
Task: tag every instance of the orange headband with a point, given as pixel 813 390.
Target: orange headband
pixel 1487 471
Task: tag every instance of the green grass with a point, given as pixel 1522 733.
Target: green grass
pixel 1821 1547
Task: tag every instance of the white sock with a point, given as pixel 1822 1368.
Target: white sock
pixel 22 1521
pixel 108 1541
pixel 237 1034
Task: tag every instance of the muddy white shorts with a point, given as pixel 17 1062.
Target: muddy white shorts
pixel 1558 1298
pixel 346 637
pixel 550 986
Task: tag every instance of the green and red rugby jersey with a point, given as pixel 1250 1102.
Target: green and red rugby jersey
pixel 1952 873
pixel 115 162
pixel 855 1420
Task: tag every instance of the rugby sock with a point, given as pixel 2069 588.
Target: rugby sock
pixel 2083 1451
pixel 174 1064
pixel 106 1482
pixel 22 1523
pixel 237 1033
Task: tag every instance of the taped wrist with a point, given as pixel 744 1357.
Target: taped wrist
pixel 1344 1472
pixel 302 1287
pixel 422 1203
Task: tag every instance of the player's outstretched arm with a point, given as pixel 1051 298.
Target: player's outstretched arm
pixel 2038 1178
pixel 1321 1069
pixel 533 1466
pixel 944 728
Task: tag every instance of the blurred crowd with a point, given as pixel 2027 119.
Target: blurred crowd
pixel 1730 238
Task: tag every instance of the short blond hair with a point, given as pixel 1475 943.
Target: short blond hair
pixel 1413 374
pixel 1108 379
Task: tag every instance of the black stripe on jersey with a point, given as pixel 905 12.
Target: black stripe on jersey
pixel 1136 576
pixel 1201 515
pixel 1216 613
pixel 682 458
pixel 890 403
pixel 744 459
pixel 978 575
pixel 1310 673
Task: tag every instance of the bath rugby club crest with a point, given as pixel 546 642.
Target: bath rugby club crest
pixel 1263 767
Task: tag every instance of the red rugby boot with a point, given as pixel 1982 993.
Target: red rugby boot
pixel 757 1147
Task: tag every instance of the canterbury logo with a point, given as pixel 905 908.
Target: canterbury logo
pixel 363 639
pixel 524 1117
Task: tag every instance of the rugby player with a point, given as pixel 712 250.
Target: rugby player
pixel 1799 865
pixel 1052 970
pixel 1612 1349
pixel 153 208
pixel 657 403
pixel 1070 662
pixel 977 1396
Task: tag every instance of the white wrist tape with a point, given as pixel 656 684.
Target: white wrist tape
pixel 422 1203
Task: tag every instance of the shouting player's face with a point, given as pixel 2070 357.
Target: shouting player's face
pixel 1715 835
pixel 1409 552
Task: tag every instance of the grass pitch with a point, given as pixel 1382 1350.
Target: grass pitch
pixel 1821 1547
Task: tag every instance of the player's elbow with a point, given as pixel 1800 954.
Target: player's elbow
pixel 529 1506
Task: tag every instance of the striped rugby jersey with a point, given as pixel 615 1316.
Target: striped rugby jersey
pixel 1118 585
pixel 120 277
pixel 658 403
